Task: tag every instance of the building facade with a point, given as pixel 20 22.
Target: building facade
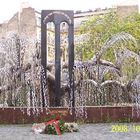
pixel 28 22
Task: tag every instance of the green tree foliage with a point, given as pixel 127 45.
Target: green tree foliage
pixel 102 28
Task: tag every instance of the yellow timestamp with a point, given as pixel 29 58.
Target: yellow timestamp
pixel 125 128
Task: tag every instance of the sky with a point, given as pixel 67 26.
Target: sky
pixel 9 7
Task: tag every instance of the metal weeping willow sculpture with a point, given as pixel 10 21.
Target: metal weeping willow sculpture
pixel 57 17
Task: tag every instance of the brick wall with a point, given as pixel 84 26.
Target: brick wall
pixel 23 22
pixel 125 11
pixel 28 22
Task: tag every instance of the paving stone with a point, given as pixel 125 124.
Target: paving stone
pixel 87 132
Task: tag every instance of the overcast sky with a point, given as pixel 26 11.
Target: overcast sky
pixel 9 7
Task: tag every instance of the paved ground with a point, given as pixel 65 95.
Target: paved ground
pixel 87 132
